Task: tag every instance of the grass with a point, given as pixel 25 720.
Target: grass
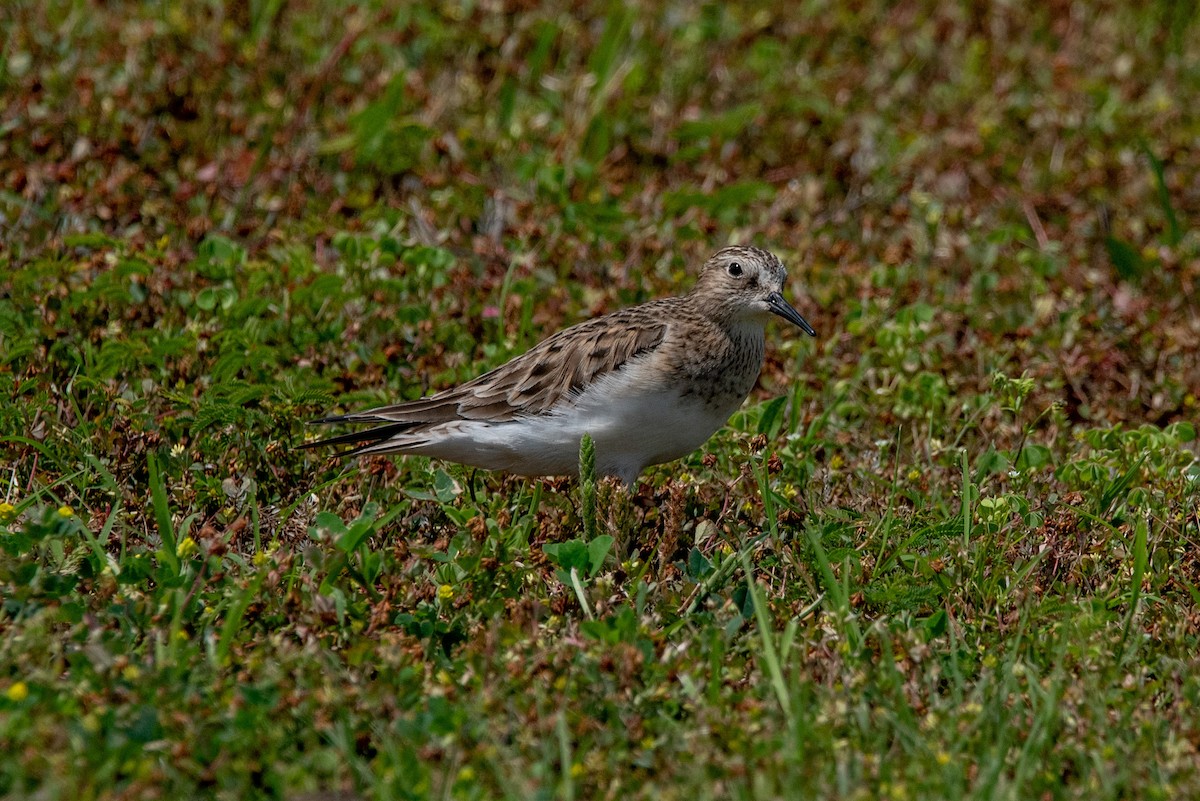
pixel 949 548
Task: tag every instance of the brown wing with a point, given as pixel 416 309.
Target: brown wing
pixel 538 379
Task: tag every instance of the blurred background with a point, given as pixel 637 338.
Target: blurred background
pixel 1033 161
pixel 968 506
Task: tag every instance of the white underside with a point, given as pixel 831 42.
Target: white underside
pixel 634 421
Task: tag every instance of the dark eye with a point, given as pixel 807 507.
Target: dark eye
pixel 735 269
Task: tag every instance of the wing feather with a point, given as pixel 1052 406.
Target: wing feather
pixel 537 380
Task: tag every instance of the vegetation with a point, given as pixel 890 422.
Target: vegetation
pixel 949 549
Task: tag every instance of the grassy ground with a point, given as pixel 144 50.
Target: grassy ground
pixel 949 549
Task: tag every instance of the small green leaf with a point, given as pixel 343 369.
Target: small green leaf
pixel 1119 488
pixel 1033 456
pixel 990 463
pixel 329 521
pixel 698 564
pixel 359 530
pixel 445 487
pixel 1183 431
pixel 771 421
pixel 569 554
pixel 597 551
pixel 372 566
pixel 207 299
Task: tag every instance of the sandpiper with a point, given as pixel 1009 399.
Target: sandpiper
pixel 649 383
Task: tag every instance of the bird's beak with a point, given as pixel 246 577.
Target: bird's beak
pixel 778 305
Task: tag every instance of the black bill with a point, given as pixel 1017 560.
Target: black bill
pixel 778 305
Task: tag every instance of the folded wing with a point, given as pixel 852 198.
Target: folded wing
pixel 538 381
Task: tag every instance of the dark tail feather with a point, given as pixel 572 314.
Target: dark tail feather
pixel 333 418
pixel 371 436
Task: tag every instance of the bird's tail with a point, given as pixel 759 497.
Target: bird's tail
pixel 372 439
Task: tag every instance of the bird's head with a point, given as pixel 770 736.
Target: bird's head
pixel 747 283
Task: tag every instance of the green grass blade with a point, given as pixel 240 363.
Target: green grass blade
pixel 1174 234
pixel 234 617
pixel 162 515
pixel 1141 533
pixel 765 631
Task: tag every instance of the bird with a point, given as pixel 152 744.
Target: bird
pixel 649 383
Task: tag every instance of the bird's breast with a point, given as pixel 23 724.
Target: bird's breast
pixel 719 369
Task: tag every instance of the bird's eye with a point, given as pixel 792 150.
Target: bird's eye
pixel 735 269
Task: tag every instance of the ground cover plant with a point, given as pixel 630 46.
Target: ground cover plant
pixel 949 549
